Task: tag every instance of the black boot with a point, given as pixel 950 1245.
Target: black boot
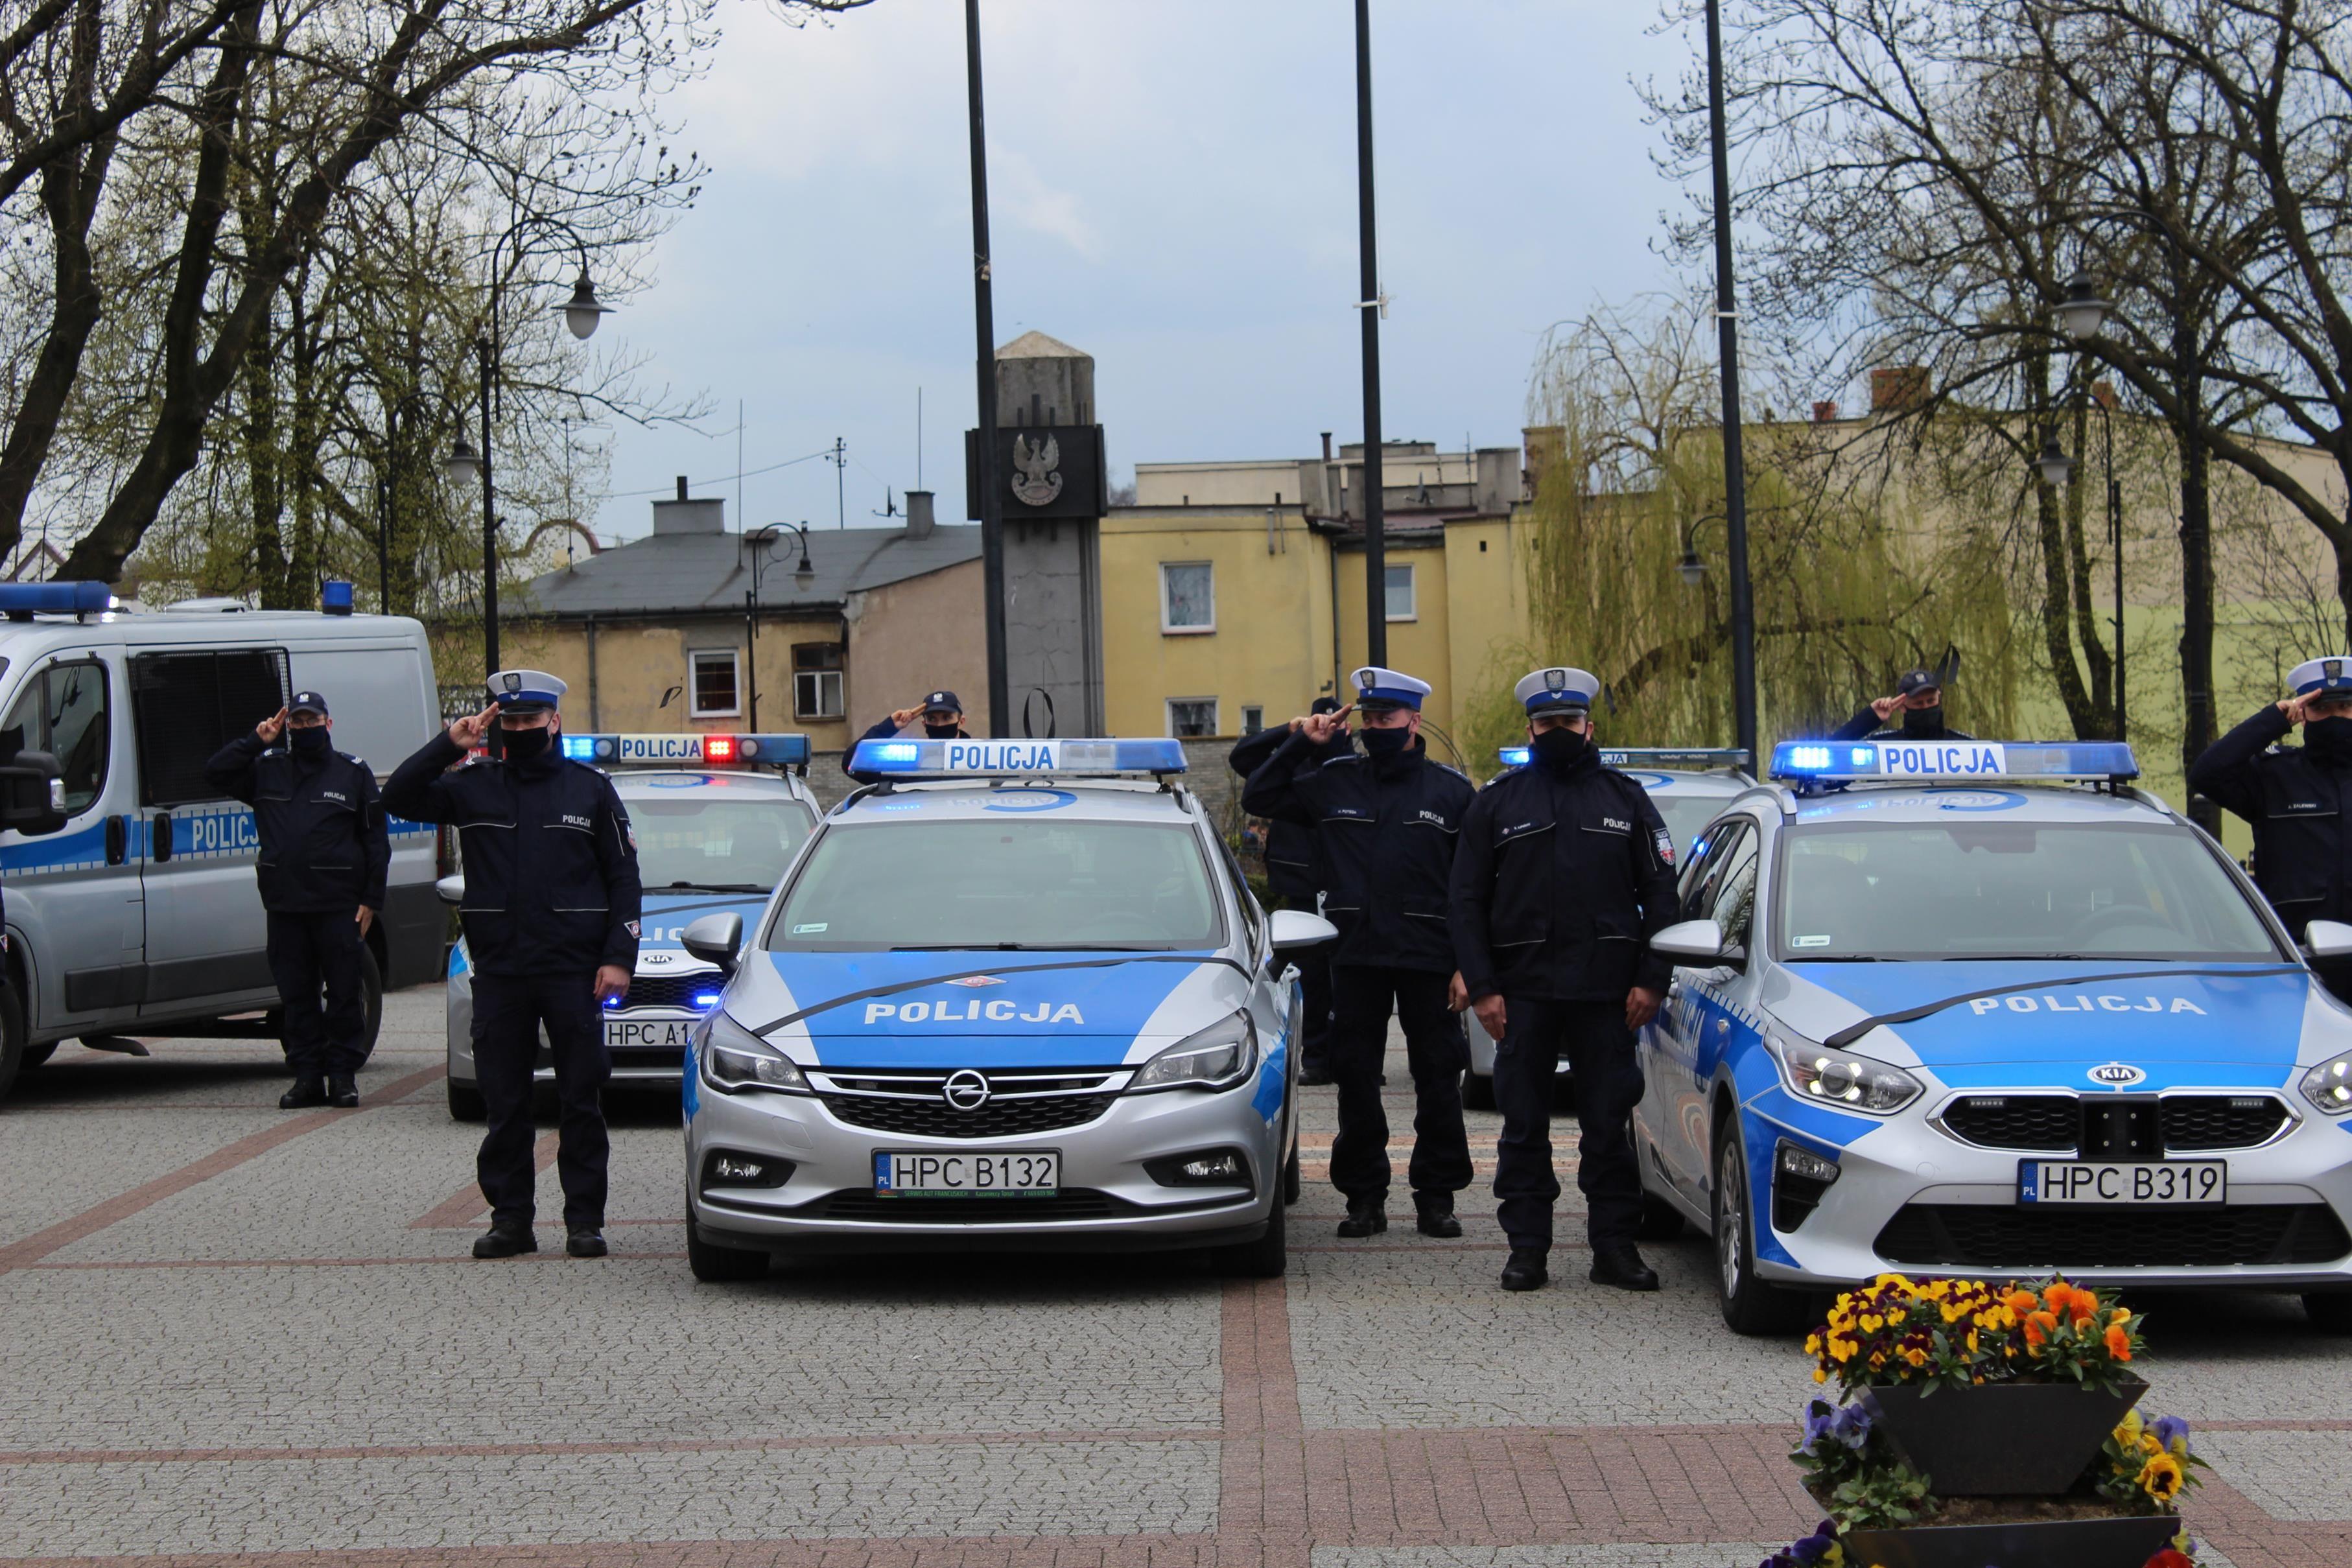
pixel 343 1090
pixel 1436 1214
pixel 1525 1270
pixel 307 1091
pixel 1617 1263
pixel 584 1240
pixel 505 1238
pixel 1366 1216
pixel 1314 1074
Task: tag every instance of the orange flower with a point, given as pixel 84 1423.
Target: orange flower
pixel 2077 1304
pixel 2020 1302
pixel 2039 1326
pixel 2118 1342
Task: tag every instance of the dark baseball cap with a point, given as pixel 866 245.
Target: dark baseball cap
pixel 1917 681
pixel 939 701
pixel 307 702
pixel 1324 705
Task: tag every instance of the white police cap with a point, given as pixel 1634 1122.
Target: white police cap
pixel 1558 689
pixel 1395 687
pixel 526 691
pixel 2321 676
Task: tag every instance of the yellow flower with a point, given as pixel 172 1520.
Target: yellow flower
pixel 1821 1374
pixel 2161 1478
pixel 2127 1430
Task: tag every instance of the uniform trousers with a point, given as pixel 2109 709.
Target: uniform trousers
pixel 308 953
pixel 1608 1082
pixel 1436 1052
pixel 508 1012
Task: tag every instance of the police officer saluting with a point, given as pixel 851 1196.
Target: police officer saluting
pixel 1290 872
pixel 1384 827
pixel 551 913
pixel 324 855
pixel 942 717
pixel 1565 872
pixel 1915 712
pixel 2297 798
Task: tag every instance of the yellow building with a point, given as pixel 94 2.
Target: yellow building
pixel 1220 585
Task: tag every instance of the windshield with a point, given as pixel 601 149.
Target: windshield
pixel 1687 814
pixel 1858 891
pixel 724 845
pixel 1001 883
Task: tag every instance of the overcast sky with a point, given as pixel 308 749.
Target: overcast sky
pixel 1173 190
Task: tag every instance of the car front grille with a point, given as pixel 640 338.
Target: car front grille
pixel 2220 1121
pixel 2148 1236
pixel 1021 1100
pixel 1068 1204
pixel 2017 1121
pixel 668 991
pixel 2121 1127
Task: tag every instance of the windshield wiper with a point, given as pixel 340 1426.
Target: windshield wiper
pixel 1855 1031
pixel 711 887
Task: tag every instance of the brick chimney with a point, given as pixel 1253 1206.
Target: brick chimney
pixel 920 520
pixel 1546 444
pixel 1824 413
pixel 1894 388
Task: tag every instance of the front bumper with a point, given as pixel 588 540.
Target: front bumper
pixel 1913 1197
pixel 1109 1201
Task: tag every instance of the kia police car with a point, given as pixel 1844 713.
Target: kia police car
pixel 1688 785
pixel 1016 995
pixel 1984 1008
pixel 714 834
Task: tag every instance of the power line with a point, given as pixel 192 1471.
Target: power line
pixel 721 478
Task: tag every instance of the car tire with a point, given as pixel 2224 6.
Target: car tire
pixel 1660 1221
pixel 466 1103
pixel 1477 1091
pixel 1264 1259
pixel 2330 1312
pixel 716 1265
pixel 1751 1305
pixel 12 1038
pixel 371 1000
pixel 1293 1178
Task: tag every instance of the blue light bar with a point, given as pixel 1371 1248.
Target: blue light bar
pixel 1517 756
pixel 54 598
pixel 1008 759
pixel 1953 761
pixel 711 751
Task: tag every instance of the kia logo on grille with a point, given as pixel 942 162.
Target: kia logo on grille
pixel 2118 1074
pixel 965 1090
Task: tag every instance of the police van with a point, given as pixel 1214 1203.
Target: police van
pixel 1016 995
pixel 1688 785
pixel 1986 1008
pixel 718 819
pixel 138 913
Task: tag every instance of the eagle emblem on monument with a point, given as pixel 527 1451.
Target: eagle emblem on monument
pixel 1035 482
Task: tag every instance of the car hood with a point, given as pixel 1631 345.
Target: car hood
pixel 981 1010
pixel 2180 1024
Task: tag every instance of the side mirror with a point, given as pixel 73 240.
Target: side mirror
pixel 714 939
pixel 1297 928
pixel 1691 942
pixel 2327 939
pixel 451 890
pixel 33 794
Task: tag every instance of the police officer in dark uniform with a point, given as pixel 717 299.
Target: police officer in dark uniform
pixel 1566 871
pixel 325 853
pixel 1290 872
pixel 1915 712
pixel 942 718
pixel 2296 798
pixel 1384 825
pixel 552 912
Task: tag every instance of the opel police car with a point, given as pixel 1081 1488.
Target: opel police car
pixel 1016 995
pixel 1688 785
pixel 717 818
pixel 1985 1007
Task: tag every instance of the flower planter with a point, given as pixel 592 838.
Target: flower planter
pixel 2046 1544
pixel 2000 1440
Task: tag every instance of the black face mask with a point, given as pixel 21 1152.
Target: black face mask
pixel 943 731
pixel 1557 747
pixel 524 745
pixel 1923 720
pixel 1380 743
pixel 2329 739
pixel 310 742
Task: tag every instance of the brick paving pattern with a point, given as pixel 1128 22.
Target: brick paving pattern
pixel 241 1335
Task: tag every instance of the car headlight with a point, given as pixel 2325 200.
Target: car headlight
pixel 1218 1057
pixel 2329 1085
pixel 1817 1074
pixel 734 1058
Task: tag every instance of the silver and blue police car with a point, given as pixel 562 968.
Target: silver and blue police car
pixel 718 819
pixel 1016 996
pixel 1986 1008
pixel 1688 785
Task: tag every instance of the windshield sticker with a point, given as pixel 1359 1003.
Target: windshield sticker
pixel 1809 941
pixel 810 927
pixel 1978 800
pixel 1031 800
pixel 677 781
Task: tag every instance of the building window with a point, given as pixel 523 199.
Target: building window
pixel 1192 717
pixel 1188 596
pixel 1399 592
pixel 715 686
pixel 1253 718
pixel 816 680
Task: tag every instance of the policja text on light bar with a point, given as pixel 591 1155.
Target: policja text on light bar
pixel 762 750
pixel 1956 760
pixel 1006 759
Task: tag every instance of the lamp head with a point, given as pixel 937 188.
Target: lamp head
pixel 464 464
pixel 2055 465
pixel 584 311
pixel 2082 311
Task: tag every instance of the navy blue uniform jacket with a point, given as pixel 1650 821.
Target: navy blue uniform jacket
pixel 2296 805
pixel 324 844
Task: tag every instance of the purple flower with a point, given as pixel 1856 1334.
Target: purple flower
pixel 1852 1426
pixel 2167 1429
pixel 1821 1426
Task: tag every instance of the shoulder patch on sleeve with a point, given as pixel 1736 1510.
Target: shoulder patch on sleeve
pixel 1665 842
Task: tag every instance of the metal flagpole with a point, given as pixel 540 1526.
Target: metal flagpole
pixel 992 509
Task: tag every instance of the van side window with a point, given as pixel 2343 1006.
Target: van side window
pixel 188 706
pixel 63 711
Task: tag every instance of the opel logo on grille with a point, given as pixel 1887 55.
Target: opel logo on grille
pixel 965 1090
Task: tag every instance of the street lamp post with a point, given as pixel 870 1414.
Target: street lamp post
pixel 804 574
pixel 1691 569
pixel 1726 326
pixel 2079 314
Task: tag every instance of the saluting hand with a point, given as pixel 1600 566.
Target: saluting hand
pixel 1885 707
pixel 2297 708
pixel 270 728
pixel 903 716
pixel 1319 728
pixel 468 731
